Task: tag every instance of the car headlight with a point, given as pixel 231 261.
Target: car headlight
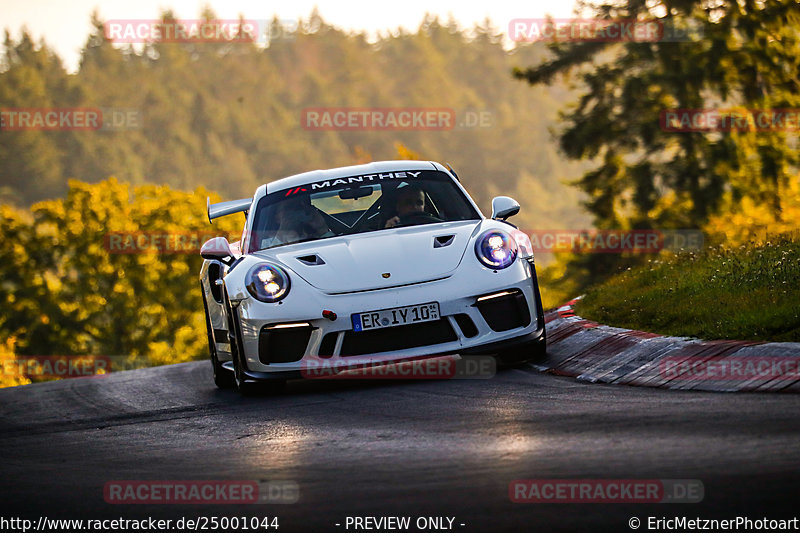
pixel 268 283
pixel 496 249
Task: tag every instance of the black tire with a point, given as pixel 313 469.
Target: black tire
pixel 534 350
pixel 222 378
pixel 252 388
pixel 524 353
pixel 245 388
pixel 240 382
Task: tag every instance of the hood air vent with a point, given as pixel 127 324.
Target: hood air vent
pixel 311 260
pixel 443 240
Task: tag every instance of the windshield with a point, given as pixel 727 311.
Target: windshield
pixel 358 204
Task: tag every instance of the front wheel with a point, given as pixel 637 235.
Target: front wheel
pixel 524 353
pixel 244 387
pixel 240 380
pixel 249 388
pixel 222 378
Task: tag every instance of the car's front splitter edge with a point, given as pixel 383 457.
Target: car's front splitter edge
pixel 252 375
pixel 537 335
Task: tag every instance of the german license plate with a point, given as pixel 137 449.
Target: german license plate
pixel 396 316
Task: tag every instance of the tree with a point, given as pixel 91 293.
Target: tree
pixel 70 289
pixel 31 160
pixel 10 372
pixel 645 176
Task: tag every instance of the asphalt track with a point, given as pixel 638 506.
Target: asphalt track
pixel 396 448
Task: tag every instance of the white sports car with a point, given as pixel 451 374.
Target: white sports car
pixel 378 263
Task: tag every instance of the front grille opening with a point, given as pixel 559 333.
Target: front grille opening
pixel 278 344
pixel 328 344
pixel 466 325
pixel 397 338
pixel 504 311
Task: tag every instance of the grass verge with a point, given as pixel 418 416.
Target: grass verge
pixel 749 292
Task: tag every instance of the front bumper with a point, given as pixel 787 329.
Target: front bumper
pixel 481 311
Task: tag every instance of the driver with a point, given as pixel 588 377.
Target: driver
pixel 410 200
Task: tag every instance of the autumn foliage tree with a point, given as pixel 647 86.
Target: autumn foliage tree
pixel 68 289
pixel 228 116
pixel 737 54
pixel 740 54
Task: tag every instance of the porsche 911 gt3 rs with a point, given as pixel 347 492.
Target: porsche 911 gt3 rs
pixel 378 263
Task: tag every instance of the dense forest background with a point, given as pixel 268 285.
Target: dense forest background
pixel 227 116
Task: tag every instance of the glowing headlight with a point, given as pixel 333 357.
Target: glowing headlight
pixel 496 249
pixel 268 283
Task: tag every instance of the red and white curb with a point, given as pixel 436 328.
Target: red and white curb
pixel 596 353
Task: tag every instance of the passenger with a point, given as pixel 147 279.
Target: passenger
pixel 296 220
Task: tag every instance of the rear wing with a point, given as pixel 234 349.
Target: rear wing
pixel 227 208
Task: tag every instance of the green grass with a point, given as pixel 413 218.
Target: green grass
pixel 751 292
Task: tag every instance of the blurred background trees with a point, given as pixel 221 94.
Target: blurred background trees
pixel 735 185
pixel 227 116
pixel 67 290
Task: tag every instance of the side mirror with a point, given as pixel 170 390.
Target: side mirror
pixel 504 207
pixel 217 248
